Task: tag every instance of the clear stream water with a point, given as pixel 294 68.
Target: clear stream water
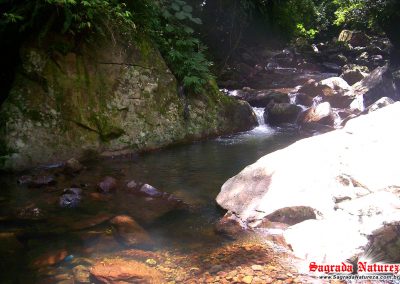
pixel 194 173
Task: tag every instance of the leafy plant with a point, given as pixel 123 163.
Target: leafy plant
pixel 182 50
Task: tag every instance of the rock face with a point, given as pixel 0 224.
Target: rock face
pixel 112 98
pixel 347 177
pixel 355 38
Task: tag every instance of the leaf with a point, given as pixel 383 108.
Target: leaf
pixel 169 28
pixel 196 21
pixel 187 9
pixel 180 15
pixel 166 14
pixel 68 19
pixel 175 7
pixel 188 30
pixel 180 2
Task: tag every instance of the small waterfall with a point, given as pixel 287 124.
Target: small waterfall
pixel 259 111
pixel 262 128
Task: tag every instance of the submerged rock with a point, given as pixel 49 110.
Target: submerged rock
pixel 37 181
pixel 154 202
pixel 73 166
pixel 334 174
pixel 231 226
pixel 71 197
pixel 107 185
pixel 51 257
pixel 113 271
pixel 129 232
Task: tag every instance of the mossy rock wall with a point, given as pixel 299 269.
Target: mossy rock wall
pixel 109 97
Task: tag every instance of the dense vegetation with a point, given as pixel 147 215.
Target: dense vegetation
pixel 174 25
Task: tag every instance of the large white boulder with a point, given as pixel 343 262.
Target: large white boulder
pixel 348 177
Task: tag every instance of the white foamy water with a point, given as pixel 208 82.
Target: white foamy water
pixel 262 127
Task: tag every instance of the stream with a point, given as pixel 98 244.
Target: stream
pixel 193 173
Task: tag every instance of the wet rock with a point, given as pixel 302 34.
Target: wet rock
pixel 292 215
pixel 355 38
pixel 276 114
pixel 231 226
pixel 81 274
pixel 303 99
pixel 312 88
pixel 124 271
pixel 353 76
pixel 262 98
pixel 37 181
pixel 149 191
pixel 73 166
pixel 71 197
pixel 107 185
pixel 129 232
pixel 321 114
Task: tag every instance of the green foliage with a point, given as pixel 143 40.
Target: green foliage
pixel 67 16
pixel 302 32
pixel 349 13
pixel 183 52
pixel 167 22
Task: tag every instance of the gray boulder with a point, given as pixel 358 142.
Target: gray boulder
pixel 279 113
pixel 375 86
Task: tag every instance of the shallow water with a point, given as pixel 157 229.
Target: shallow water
pixel 192 172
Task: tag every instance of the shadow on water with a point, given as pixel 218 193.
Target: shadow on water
pixel 193 173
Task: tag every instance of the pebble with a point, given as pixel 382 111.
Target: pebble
pixel 215 268
pixel 247 279
pixel 151 262
pixel 257 267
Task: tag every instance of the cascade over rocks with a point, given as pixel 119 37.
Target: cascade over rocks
pixel 348 178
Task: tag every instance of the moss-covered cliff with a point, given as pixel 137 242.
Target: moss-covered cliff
pixel 110 97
